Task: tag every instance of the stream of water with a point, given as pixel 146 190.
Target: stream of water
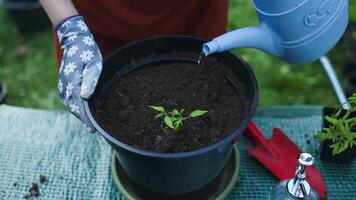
pixel 201 57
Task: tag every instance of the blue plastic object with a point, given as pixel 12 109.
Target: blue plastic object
pixel 298 31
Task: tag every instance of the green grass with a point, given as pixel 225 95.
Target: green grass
pixel 32 80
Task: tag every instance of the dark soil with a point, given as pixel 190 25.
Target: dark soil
pixel 34 191
pixel 43 179
pixel 125 115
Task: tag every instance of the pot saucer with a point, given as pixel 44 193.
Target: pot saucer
pixel 218 189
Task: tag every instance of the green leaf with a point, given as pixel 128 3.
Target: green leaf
pixel 352 99
pixel 181 111
pixel 157 108
pixel 331 120
pixel 168 122
pixel 350 121
pixel 338 113
pixel 175 112
pixel 353 108
pixel 335 147
pixel 342 128
pixel 326 134
pixel 342 148
pixel 174 119
pixel 347 114
pixel 159 115
pixel 338 147
pixel 353 135
pixel 178 124
pixel 198 113
pixel 347 127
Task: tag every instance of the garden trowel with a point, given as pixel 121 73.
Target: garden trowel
pixel 279 154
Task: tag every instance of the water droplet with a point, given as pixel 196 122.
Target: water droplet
pixel 201 57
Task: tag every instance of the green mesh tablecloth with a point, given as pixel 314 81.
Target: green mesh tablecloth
pixel 77 163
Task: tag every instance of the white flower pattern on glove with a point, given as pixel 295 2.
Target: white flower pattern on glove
pixel 72 36
pixel 74 108
pixel 72 50
pixel 80 67
pixel 60 86
pixel 69 89
pixel 69 68
pixel 82 25
pixel 88 41
pixel 86 56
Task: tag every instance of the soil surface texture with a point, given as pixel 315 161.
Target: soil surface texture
pixel 124 111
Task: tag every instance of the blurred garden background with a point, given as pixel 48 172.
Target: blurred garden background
pixel 27 66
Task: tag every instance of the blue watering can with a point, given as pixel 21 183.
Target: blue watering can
pixel 297 31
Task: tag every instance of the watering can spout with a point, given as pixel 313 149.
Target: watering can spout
pixel 250 37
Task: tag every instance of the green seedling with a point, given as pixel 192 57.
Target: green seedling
pixel 342 129
pixel 174 119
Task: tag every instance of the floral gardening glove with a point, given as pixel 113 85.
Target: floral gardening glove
pixel 81 66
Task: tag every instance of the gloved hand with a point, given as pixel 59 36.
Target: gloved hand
pixel 81 66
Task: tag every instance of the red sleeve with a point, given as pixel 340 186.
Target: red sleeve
pixel 117 22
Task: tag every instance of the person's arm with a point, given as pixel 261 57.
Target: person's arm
pixel 81 62
pixel 57 10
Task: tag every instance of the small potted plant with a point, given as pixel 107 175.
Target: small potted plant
pixel 338 137
pixel 174 120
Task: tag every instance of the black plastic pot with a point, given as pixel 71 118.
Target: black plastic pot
pixel 326 155
pixel 171 173
pixel 28 16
